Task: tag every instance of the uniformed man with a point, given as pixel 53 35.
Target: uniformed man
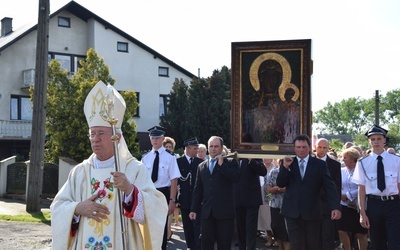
pixel 378 178
pixel 188 166
pixel 164 171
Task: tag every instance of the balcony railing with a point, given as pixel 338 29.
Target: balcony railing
pixel 15 129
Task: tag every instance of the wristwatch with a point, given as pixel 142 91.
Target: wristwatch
pixel 173 200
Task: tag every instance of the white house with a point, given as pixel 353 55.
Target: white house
pixel 74 29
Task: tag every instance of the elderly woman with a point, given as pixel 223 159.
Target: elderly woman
pixel 349 224
pixel 202 152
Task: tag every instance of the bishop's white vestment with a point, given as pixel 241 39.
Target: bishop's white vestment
pixel 145 221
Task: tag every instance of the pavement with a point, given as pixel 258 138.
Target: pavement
pixel 17 206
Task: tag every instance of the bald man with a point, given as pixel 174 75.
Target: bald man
pixel 329 230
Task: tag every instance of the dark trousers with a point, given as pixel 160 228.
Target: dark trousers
pixel 246 226
pixel 384 219
pixel 303 234
pixel 217 230
pixel 191 229
pixel 330 233
pixel 166 192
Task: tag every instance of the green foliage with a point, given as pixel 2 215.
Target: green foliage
pixel 175 120
pixel 65 121
pixel 362 141
pixel 43 217
pixel 391 106
pixel 336 145
pixel 201 110
pixel 346 117
pixel 394 135
pixel 218 105
pixel 354 116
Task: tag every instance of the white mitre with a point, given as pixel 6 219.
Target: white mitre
pixel 96 103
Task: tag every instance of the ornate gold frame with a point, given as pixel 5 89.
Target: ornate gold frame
pixel 270 95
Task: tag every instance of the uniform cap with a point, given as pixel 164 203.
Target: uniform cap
pixel 191 141
pixel 156 131
pixel 376 130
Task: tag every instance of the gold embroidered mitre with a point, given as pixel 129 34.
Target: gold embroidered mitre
pixel 102 103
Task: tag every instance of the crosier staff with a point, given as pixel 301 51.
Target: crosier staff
pixel 109 108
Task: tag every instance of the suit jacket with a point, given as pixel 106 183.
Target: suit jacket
pixel 247 190
pixel 214 192
pixel 186 187
pixel 302 196
pixel 335 172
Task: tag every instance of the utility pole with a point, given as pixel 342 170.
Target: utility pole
pixel 377 107
pixel 36 166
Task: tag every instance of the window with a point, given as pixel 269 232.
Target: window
pixel 137 109
pixel 76 64
pixel 65 61
pixel 163 104
pixel 21 108
pixel 122 47
pixel 68 62
pixel 163 71
pixel 64 22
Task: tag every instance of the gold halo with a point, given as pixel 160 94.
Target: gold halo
pixel 286 74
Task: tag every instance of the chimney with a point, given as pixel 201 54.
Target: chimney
pixel 6 26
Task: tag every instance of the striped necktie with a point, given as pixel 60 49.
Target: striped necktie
pixel 212 165
pixel 302 168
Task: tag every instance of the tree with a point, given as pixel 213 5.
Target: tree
pixel 175 120
pixel 391 106
pixel 197 114
pixel 201 110
pixel 219 104
pixel 350 116
pixel 354 116
pixel 336 145
pixel 66 123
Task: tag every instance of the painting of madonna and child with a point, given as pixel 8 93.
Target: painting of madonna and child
pixel 270 94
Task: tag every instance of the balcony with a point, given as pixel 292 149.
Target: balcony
pixel 15 129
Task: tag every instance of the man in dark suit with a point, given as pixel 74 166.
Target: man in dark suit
pixel 188 167
pixel 330 234
pixel 247 201
pixel 304 177
pixel 213 194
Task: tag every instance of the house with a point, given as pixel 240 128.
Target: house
pixel 74 29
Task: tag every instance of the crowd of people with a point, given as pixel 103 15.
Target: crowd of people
pixel 316 199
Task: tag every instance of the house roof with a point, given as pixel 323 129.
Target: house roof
pixel 85 14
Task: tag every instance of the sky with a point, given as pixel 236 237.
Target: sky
pixel 355 44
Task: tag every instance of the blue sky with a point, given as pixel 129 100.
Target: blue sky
pixel 355 44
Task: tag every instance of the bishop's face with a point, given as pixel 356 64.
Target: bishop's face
pixel 100 140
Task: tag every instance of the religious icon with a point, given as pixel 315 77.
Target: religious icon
pixel 270 95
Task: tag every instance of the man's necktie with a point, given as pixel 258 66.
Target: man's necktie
pixel 302 168
pixel 154 173
pixel 190 161
pixel 381 174
pixel 212 165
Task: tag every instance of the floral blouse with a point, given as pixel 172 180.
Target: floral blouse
pixel 275 200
